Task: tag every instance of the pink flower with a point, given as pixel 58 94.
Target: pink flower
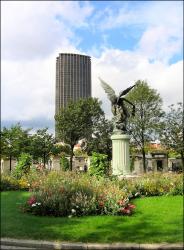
pixel 125 210
pixel 131 206
pixel 31 200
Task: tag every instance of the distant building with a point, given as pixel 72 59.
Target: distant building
pixel 73 78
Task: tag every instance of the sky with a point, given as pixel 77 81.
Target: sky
pixel 127 41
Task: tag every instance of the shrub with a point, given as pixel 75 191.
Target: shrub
pixel 64 163
pixel 155 184
pixel 10 183
pixel 23 166
pixel 76 194
pixel 99 165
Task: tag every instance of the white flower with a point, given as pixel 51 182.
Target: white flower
pixel 34 205
pixel 137 193
pixel 38 203
pixel 73 211
pixel 70 216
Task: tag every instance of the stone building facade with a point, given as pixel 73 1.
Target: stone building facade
pixel 156 162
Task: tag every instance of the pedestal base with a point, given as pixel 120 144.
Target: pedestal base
pixel 120 154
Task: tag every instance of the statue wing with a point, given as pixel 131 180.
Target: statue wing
pixel 109 91
pixel 124 92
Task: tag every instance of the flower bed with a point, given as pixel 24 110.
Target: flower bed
pixel 155 184
pixel 71 194
pixel 76 194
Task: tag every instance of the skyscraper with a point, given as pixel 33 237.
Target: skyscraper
pixel 73 78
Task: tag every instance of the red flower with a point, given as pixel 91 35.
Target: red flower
pixel 101 204
pixel 125 210
pixel 131 206
pixel 31 200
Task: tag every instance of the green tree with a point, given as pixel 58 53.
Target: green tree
pixel 42 145
pixel 23 165
pixel 172 135
pixel 14 141
pixel 144 126
pixel 99 164
pixel 77 121
pixel 59 149
pixel 64 163
pixel 101 138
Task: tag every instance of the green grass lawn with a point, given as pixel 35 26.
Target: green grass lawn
pixel 156 219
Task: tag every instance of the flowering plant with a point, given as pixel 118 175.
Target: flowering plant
pixel 127 210
pixel 76 194
pixel 154 184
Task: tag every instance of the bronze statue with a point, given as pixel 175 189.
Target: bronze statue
pixel 118 107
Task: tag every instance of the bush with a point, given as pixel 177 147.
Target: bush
pixel 76 194
pixel 99 165
pixel 64 163
pixel 156 184
pixel 23 166
pixel 10 183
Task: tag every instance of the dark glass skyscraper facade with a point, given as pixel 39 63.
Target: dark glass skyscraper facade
pixel 73 78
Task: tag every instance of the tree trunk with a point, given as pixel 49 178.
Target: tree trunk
pixel 44 159
pixel 71 157
pixel 182 158
pixel 144 159
pixel 10 163
pixel 143 150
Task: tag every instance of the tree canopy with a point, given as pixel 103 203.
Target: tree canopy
pixel 100 140
pixel 144 126
pixel 78 121
pixel 14 141
pixel 172 134
pixel 42 145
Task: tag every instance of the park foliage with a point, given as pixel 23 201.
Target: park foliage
pixel 66 193
pixel 76 194
pixel 23 165
pixel 99 165
pixel 64 163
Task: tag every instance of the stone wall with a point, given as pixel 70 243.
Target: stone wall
pixel 153 164
pixel 5 166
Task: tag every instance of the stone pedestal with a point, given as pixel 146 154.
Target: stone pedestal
pixel 120 154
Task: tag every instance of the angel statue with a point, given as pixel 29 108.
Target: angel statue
pixel 118 107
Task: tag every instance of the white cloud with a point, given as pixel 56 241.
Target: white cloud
pixel 158 43
pixel 29 92
pixel 122 69
pixel 150 13
pixel 35 29
pixel 160 23
pixel 28 87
